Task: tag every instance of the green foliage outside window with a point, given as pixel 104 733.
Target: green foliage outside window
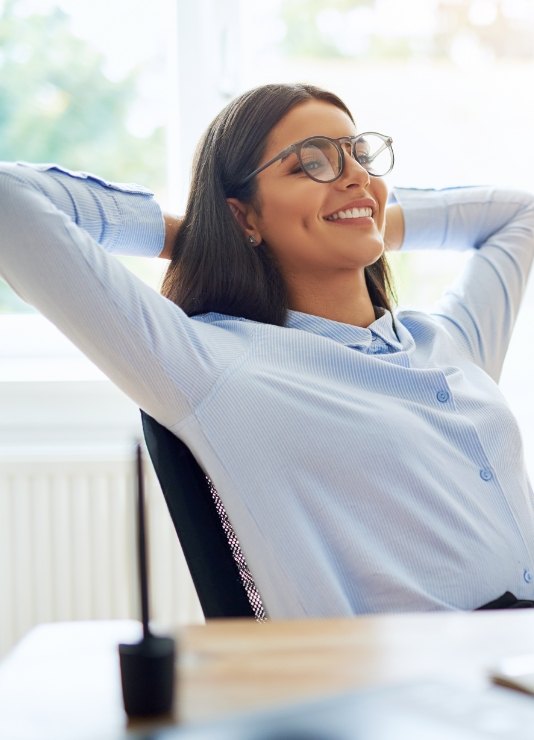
pixel 57 105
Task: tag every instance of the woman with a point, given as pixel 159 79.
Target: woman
pixel 367 463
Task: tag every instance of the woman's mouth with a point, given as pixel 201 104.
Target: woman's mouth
pixel 351 213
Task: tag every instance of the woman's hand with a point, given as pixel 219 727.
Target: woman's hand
pixel 172 226
pixel 394 230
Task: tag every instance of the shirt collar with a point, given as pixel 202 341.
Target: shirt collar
pixel 351 336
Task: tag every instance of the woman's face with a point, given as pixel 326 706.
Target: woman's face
pixel 295 213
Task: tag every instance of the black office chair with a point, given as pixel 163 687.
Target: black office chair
pixel 217 565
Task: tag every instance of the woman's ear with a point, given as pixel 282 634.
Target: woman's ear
pixel 244 216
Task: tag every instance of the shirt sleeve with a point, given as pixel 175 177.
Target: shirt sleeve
pixel 50 223
pixel 480 309
pixel 124 218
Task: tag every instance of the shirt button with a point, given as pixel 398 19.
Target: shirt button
pixel 373 338
pixel 527 575
pixel 442 396
pixel 486 474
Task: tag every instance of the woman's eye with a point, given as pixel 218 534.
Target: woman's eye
pixel 309 165
pixel 313 165
pixel 300 170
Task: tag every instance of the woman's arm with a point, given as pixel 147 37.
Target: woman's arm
pixel 55 231
pixel 481 306
pixel 122 218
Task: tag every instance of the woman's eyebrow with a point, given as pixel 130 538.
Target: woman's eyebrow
pixel 287 155
pixel 282 158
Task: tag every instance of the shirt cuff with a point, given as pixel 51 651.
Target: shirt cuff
pixel 123 217
pixel 142 227
pixel 425 217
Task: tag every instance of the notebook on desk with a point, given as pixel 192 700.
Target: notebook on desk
pixel 417 711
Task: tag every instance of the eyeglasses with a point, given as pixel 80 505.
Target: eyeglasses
pixel 323 158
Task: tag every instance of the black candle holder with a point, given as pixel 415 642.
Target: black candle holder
pixel 147 667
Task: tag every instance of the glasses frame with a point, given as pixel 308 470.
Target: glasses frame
pixel 297 147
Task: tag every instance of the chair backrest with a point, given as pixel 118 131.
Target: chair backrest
pixel 220 574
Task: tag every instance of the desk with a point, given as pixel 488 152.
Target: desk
pixel 62 681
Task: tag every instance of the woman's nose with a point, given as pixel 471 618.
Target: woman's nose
pixel 353 172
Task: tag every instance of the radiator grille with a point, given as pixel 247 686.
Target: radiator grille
pixel 67 546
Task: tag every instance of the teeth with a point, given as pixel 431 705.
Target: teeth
pixel 351 213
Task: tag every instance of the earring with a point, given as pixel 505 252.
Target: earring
pixel 251 240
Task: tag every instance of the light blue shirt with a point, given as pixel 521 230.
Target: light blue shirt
pixel 363 470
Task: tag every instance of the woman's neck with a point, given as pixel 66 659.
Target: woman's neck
pixel 337 300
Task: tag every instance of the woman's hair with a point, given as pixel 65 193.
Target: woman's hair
pixel 213 267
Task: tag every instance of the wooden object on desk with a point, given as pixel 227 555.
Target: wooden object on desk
pixel 229 666
pixel 63 681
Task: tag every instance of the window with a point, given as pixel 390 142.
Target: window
pixel 143 81
pixel 75 90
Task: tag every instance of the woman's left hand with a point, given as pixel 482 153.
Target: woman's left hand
pixel 172 226
pixel 394 228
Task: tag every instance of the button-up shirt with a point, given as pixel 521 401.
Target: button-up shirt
pixel 370 469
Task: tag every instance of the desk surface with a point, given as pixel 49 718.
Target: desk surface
pixel 62 681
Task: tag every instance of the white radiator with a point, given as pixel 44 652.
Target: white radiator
pixel 67 544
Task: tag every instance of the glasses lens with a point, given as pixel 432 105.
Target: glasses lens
pixel 374 153
pixel 320 159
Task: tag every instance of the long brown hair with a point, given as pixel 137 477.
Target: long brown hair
pixel 213 268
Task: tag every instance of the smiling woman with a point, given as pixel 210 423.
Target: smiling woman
pixel 292 212
pixel 364 456
pixel 282 205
